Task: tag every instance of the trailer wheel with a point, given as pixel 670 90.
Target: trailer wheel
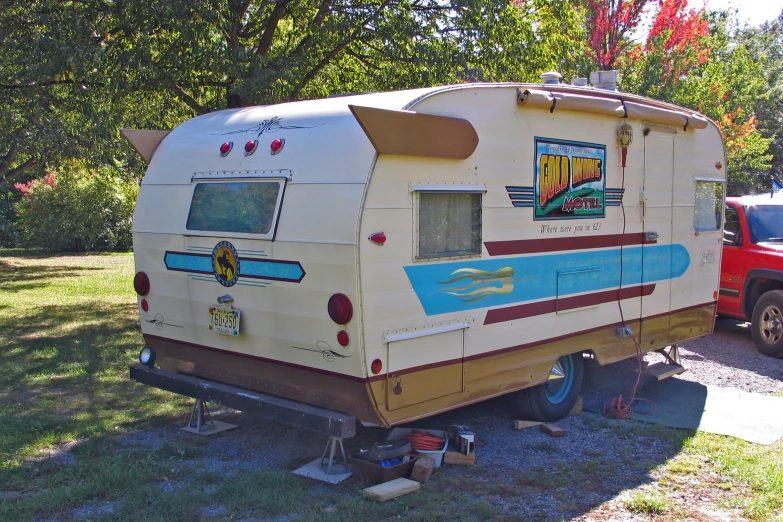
pixel 553 399
pixel 767 324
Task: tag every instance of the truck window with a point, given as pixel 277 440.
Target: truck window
pixel 246 207
pixel 732 232
pixel 449 224
pixel 709 206
pixel 765 223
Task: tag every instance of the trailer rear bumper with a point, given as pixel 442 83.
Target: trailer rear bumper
pixel 270 407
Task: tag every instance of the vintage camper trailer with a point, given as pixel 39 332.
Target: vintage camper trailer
pixel 390 256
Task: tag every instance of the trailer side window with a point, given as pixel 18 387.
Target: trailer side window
pixel 449 224
pixel 709 206
pixel 240 207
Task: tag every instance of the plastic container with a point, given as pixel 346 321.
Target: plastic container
pixel 437 455
pixel 377 474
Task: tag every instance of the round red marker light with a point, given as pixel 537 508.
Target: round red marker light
pixel 145 305
pixel 250 147
pixel 376 366
pixel 141 283
pixel 225 148
pixel 277 145
pixel 343 338
pixel 379 238
pixel 340 308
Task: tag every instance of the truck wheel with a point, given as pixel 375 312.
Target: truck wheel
pixel 768 324
pixel 553 399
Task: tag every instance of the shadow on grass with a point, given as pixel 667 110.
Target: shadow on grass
pixel 15 278
pixel 39 253
pixel 65 376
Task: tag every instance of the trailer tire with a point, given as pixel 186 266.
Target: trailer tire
pixel 553 399
pixel 767 324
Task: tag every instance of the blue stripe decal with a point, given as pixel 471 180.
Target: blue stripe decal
pixel 188 262
pixel 288 271
pixel 467 285
pixel 248 268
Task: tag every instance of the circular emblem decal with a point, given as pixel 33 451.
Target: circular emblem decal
pixel 225 263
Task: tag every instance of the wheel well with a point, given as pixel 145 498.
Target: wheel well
pixel 757 288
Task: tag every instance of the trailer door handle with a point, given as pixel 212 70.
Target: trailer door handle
pixel 651 236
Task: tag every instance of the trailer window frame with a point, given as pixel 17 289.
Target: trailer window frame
pixel 424 197
pixel 708 204
pixel 210 232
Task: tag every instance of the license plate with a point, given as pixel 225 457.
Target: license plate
pixel 222 320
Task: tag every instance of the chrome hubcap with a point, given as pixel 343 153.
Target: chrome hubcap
pixel 556 372
pixel 771 326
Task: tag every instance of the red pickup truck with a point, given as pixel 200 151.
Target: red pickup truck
pixel 751 275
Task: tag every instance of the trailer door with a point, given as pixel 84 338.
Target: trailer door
pixel 657 226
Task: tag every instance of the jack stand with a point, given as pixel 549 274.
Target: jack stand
pixel 339 467
pixel 673 355
pixel 205 426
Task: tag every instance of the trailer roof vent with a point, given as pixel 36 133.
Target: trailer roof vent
pixel 551 78
pixel 606 80
pixel 579 82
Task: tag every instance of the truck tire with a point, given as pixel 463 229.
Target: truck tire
pixel 553 399
pixel 767 324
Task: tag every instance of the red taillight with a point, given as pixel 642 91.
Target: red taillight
pixel 250 147
pixel 141 283
pixel 145 305
pixel 340 308
pixel 226 148
pixel 376 366
pixel 343 338
pixel 378 238
pixel 277 145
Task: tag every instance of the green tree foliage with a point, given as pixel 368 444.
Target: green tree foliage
pixel 77 211
pixel 765 47
pixel 697 61
pixel 73 72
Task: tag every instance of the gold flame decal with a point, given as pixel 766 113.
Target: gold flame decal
pixel 474 284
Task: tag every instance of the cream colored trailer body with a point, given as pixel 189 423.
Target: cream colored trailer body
pixel 509 223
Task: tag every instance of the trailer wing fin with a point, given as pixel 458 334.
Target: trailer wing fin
pixel 144 141
pixel 410 133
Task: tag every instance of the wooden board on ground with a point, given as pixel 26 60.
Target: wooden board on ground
pixel 551 429
pixel 457 457
pixel 522 424
pixel 392 489
pixel 423 469
pixel 577 409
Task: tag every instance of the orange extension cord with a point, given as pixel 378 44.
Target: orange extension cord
pixel 425 441
pixel 618 408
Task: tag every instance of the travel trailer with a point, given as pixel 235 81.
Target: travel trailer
pixel 386 257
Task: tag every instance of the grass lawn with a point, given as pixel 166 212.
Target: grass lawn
pixel 68 331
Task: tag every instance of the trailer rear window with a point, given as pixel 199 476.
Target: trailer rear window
pixel 246 207
pixel 709 206
pixel 449 225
